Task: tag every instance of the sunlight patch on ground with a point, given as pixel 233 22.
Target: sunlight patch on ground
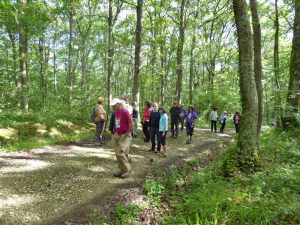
pixel 16 200
pixel 22 165
pixel 96 169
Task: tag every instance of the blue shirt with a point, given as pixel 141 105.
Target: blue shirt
pixel 163 122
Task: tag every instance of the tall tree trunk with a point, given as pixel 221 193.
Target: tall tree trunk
pixel 138 43
pixel 179 54
pixel 42 69
pixel 247 139
pixel 293 96
pixel 70 53
pixel 192 70
pixel 257 61
pixel 278 108
pixel 15 68
pixel 162 70
pixel 110 52
pixel 54 59
pixel 23 49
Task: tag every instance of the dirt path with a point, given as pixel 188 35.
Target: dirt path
pixel 60 184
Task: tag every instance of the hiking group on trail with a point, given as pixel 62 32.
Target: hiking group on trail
pixel 123 126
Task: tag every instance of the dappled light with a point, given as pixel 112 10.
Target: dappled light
pixel 22 165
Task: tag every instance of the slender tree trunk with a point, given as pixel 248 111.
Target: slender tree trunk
pixel 15 68
pixel 137 61
pixel 257 61
pixel 110 52
pixel 192 70
pixel 70 53
pixel 23 49
pixel 162 71
pixel 180 44
pixel 278 108
pixel 247 139
pixel 293 96
pixel 54 60
pixel 42 70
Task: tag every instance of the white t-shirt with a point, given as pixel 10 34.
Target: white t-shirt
pixel 214 115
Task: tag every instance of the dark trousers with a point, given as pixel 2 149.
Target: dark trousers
pixel 189 129
pixel 174 127
pixel 146 131
pixel 213 125
pixel 181 121
pixel 154 133
pixel 222 127
pixel 237 127
pixel 99 129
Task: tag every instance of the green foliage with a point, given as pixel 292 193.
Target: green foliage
pixel 34 130
pixel 154 190
pixel 126 214
pixel 270 196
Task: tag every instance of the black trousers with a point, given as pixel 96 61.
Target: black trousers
pixel 146 131
pixel 222 127
pixel 181 121
pixel 237 127
pixel 174 126
pixel 154 134
pixel 213 125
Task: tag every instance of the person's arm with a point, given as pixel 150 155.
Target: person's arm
pixel 130 121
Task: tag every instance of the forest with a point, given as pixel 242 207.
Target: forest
pixel 57 57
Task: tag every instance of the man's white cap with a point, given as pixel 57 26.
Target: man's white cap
pixel 116 101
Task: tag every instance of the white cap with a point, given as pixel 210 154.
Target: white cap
pixel 116 101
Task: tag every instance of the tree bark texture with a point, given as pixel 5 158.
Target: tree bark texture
pixel 247 139
pixel 137 61
pixel 179 55
pixel 278 108
pixel 23 49
pixel 257 61
pixel 292 107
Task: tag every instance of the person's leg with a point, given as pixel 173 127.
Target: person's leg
pixel 172 127
pixel 98 130
pixel 123 146
pixel 215 125
pixel 134 131
pixel 147 131
pixel 102 125
pixel 144 130
pixel 158 140
pixel 223 126
pixel 237 127
pixel 188 133
pixel 152 137
pixel 176 127
pixel 163 143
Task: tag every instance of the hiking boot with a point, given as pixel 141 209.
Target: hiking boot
pixel 124 175
pixel 119 174
pixel 155 151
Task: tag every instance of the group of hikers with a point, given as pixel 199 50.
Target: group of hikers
pixel 124 125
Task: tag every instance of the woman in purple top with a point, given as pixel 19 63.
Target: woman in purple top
pixel 190 116
pixel 236 121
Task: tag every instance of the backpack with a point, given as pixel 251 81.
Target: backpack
pixel 93 115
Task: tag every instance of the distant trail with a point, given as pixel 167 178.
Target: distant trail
pixel 59 184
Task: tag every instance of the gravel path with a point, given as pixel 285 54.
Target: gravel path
pixel 44 184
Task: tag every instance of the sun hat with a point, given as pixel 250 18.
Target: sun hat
pixel 116 101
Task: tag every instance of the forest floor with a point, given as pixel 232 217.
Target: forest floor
pixel 69 184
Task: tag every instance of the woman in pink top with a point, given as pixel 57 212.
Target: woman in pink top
pixel 146 122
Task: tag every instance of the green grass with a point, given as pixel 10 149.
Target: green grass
pixel 270 196
pixel 206 196
pixel 34 130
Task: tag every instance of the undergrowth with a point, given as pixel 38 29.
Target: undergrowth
pixel 24 131
pixel 207 196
